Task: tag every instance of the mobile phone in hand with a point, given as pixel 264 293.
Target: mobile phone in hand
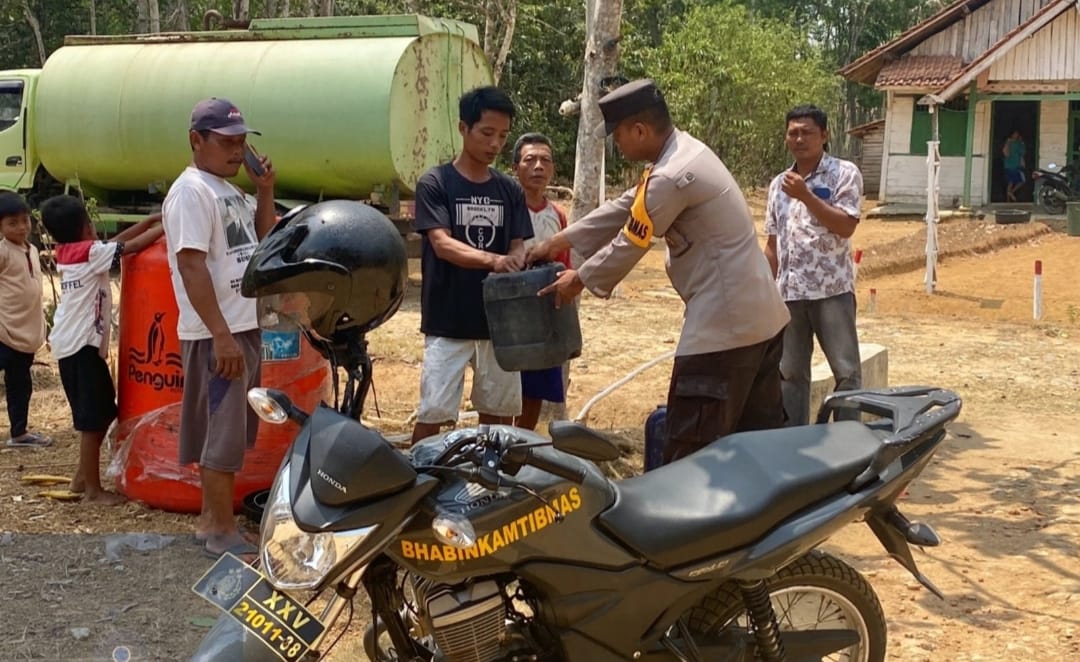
pixel 252 160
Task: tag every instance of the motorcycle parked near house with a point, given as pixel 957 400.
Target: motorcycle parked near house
pixel 1055 187
pixel 494 544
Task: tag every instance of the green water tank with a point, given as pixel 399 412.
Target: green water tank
pixel 346 105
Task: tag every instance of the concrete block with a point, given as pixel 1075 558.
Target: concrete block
pixel 875 374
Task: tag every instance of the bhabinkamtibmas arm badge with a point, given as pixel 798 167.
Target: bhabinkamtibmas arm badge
pixel 639 227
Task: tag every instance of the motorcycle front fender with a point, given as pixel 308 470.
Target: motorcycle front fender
pixel 227 641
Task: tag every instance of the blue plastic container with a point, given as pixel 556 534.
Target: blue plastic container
pixel 655 438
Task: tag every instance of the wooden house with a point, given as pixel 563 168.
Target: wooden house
pixel 993 67
pixel 866 153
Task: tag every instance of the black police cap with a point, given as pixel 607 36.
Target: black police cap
pixel 628 100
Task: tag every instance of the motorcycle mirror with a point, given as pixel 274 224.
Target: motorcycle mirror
pixel 580 441
pixel 270 405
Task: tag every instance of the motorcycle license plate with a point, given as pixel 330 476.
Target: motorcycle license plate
pixel 273 617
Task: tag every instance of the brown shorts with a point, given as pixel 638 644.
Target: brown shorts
pixel 216 423
pixel 715 394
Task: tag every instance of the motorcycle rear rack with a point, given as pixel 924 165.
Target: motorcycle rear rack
pixel 912 414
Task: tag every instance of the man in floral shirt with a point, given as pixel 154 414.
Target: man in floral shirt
pixel 813 210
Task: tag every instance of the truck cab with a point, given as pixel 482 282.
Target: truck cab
pixel 18 158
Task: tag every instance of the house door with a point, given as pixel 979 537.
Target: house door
pixel 1009 116
pixel 1073 155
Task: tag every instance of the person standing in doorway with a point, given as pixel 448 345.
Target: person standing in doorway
pixel 813 209
pixel 1014 163
pixel 210 230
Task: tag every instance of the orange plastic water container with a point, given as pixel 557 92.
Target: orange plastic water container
pixel 150 385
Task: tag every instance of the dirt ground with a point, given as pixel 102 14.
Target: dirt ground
pixel 1004 493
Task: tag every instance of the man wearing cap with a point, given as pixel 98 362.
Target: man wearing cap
pixel 726 376
pixel 211 227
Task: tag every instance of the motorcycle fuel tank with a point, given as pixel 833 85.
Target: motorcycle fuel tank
pixel 513 527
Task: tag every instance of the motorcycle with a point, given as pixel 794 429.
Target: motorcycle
pixel 1054 188
pixel 495 544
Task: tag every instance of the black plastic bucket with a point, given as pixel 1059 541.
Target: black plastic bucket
pixel 527 331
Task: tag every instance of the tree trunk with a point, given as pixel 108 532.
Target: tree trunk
pixel 489 26
pixel 508 19
pixel 35 26
pixel 326 7
pixel 242 10
pixel 154 12
pixel 285 8
pixel 182 16
pixel 601 55
pixel 312 8
pixel 142 17
pixel 92 6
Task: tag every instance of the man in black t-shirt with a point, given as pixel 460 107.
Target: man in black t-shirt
pixel 474 221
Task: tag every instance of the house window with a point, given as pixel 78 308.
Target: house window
pixel 952 128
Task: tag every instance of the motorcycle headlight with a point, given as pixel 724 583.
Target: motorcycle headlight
pixel 291 557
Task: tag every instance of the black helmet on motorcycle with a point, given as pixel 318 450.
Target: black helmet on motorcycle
pixel 339 266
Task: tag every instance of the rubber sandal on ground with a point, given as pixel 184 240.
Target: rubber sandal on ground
pixel 31 440
pixel 239 550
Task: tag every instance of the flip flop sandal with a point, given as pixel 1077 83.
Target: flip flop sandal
pixel 239 550
pixel 32 440
pixel 194 539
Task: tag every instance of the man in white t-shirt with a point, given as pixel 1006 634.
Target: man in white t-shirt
pixel 534 165
pixel 211 227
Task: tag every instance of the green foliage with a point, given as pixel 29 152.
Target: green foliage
pixel 545 68
pixel 731 69
pixel 730 79
pixel 844 30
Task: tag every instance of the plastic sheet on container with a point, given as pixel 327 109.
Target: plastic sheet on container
pixel 146 462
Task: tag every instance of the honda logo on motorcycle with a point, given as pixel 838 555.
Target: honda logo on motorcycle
pixel 325 476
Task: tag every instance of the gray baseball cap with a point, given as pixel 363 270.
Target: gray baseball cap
pixel 220 116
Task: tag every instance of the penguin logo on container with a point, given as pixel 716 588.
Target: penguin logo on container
pixel 155 353
pixel 155 367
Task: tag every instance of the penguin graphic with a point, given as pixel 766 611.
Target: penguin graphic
pixel 155 341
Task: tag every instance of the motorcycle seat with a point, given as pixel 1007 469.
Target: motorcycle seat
pixel 735 490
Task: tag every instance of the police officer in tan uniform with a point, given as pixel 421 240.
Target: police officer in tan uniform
pixel 726 376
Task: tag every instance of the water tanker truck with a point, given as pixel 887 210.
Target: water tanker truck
pixel 349 107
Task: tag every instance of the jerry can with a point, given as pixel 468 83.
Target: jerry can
pixel 655 438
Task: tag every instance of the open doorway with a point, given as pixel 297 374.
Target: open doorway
pixel 1009 116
